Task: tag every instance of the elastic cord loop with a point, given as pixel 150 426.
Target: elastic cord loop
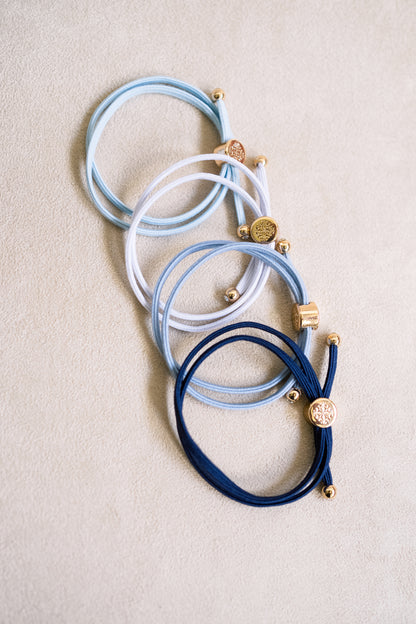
pixel 305 377
pixel 162 322
pixel 252 283
pixel 162 85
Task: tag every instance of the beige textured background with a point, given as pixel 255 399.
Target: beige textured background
pixel 102 518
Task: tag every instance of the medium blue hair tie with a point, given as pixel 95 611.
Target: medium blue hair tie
pixel 321 413
pixel 214 110
pixel 160 321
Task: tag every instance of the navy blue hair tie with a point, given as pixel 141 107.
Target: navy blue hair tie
pixel 321 413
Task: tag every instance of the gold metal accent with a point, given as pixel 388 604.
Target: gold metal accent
pixel 232 148
pixel 283 246
pixel 322 412
pixel 218 94
pixel 243 231
pixel 293 395
pixel 264 230
pixel 231 295
pixel 260 160
pixel 333 339
pixel 305 316
pixel 329 491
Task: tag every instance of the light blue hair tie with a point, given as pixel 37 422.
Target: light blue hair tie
pixel 215 111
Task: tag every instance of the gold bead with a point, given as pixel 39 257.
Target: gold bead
pixel 333 339
pixel 283 246
pixel 305 316
pixel 264 230
pixel 218 94
pixel 260 160
pixel 329 491
pixel 243 231
pixel 293 395
pixel 231 295
pixel 322 412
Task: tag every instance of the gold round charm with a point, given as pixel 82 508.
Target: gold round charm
pixel 235 149
pixel 321 412
pixel 264 230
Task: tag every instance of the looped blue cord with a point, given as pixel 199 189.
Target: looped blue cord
pixel 306 379
pixel 162 85
pixel 278 262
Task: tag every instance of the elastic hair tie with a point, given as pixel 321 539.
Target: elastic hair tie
pixel 215 111
pixel 321 413
pixel 256 274
pixel 276 261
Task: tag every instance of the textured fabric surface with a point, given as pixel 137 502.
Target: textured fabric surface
pixel 102 517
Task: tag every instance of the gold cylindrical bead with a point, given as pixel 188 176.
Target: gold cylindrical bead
pixel 305 316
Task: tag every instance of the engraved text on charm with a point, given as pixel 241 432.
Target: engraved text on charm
pixel 321 412
pixel 232 148
pixel 264 230
pixel 236 150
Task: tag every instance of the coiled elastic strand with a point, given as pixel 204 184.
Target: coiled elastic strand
pixel 306 379
pixel 256 274
pixel 269 257
pixel 215 112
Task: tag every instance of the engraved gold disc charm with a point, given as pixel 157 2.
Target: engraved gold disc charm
pixel 236 150
pixel 232 148
pixel 264 230
pixel 321 412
